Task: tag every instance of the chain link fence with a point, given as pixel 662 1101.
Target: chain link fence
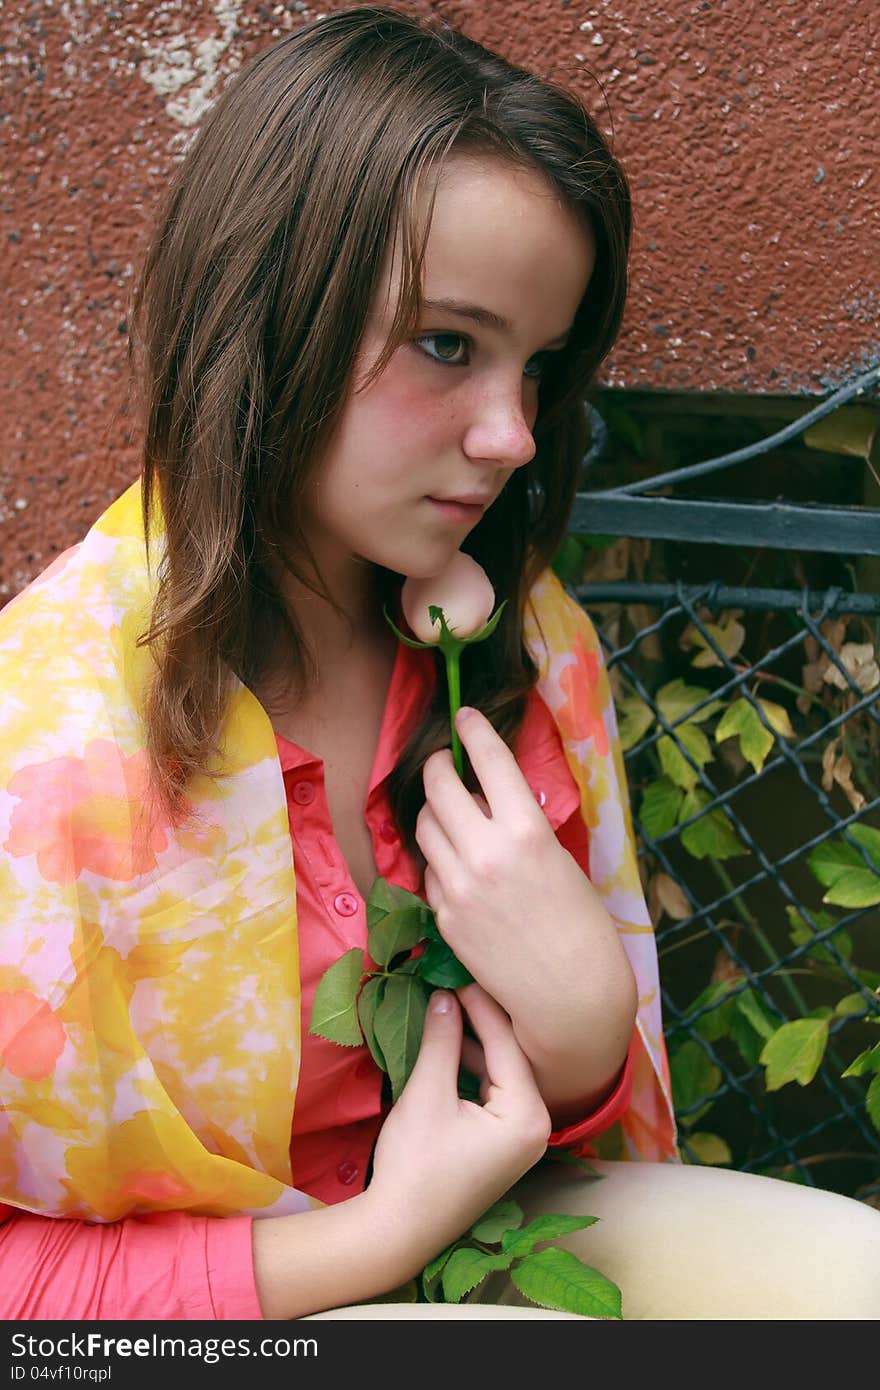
pixel 750 720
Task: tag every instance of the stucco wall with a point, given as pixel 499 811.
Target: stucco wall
pixel 750 132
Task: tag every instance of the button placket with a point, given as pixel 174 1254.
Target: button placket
pixel 303 793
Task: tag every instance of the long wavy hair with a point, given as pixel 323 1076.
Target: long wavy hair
pixel 246 321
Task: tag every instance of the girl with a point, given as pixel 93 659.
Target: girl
pixel 385 273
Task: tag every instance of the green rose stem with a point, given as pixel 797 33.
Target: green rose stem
pixel 453 682
pixel 451 646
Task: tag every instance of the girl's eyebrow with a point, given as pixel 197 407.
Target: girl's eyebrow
pixel 487 318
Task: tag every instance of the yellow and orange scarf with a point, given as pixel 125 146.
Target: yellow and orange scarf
pixel 149 981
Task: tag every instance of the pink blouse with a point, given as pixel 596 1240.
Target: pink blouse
pixel 173 1266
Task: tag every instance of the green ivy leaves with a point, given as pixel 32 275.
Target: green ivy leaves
pixel 551 1277
pixel 385 1008
pixel 334 1009
pixel 795 1051
pixel 742 721
pixel 676 796
pixel 842 870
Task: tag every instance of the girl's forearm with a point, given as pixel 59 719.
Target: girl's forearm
pixel 331 1257
pixel 577 1039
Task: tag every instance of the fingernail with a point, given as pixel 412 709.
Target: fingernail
pixel 464 713
pixel 440 1002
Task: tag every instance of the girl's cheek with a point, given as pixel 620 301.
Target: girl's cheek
pixel 410 397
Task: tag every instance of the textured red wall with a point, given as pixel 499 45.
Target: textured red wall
pixel 750 132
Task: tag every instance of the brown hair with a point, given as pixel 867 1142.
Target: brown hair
pixel 247 318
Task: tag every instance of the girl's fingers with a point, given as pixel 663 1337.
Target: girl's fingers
pixel 497 769
pixel 506 1063
pixel 449 799
pixel 436 1067
pixel 433 841
pixel 507 796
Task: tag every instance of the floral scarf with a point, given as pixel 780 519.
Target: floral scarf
pixel 149 982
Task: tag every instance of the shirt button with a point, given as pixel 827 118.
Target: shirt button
pixel 542 798
pixel 304 793
pixel 346 905
pixel 346 1173
pixel 388 832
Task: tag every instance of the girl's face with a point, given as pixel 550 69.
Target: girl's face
pixel 420 454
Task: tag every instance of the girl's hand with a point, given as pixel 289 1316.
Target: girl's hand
pixel 441 1161
pixel 524 919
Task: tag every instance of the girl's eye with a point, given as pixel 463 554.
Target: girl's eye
pixel 445 347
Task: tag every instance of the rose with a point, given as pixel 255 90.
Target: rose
pixel 459 599
pixel 462 590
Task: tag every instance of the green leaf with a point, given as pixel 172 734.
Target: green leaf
pixel 334 1008
pixel 795 1052
pixel 634 720
pixel 570 1160
pixel 709 1149
pixel 398 1023
pixel 743 1036
pixel 543 1228
pixel 869 839
pixel 407 641
pixel 432 1269
pixel 466 1268
pixel 854 888
pixel 693 1076
pixel 439 965
pixel 715 1023
pixel 673 761
pixel 872 1103
pixel 866 1061
pixel 802 934
pixel 831 859
pixel 741 721
pixel 396 932
pixel 555 1278
pixel 396 921
pixel 777 717
pixel 850 1004
pixel 503 1216
pixel 677 699
pixel 753 1008
pixel 727 636
pixel 661 807
pixel 369 1000
pixel 388 897
pixel 712 836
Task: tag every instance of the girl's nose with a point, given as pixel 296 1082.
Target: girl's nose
pixel 500 429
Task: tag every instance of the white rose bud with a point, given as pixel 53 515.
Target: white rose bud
pixel 462 590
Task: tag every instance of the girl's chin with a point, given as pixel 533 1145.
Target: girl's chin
pixel 427 566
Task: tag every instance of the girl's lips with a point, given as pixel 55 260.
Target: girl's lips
pixel 458 511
